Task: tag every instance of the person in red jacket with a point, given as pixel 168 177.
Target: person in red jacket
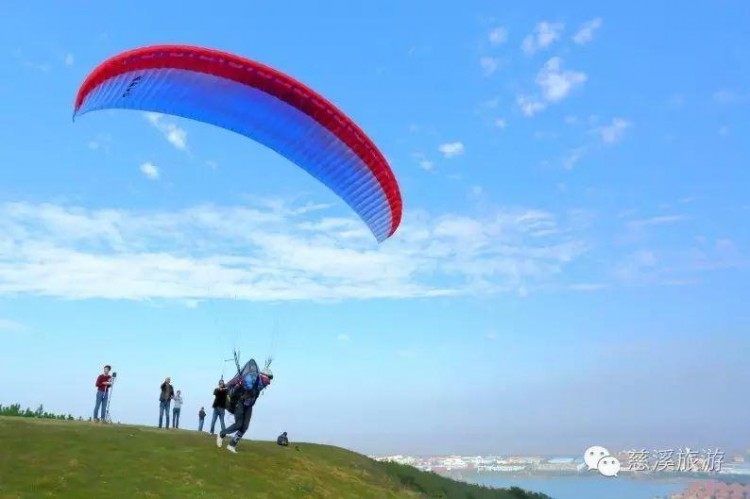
pixel 103 383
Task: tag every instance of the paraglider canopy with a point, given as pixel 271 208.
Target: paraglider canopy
pixel 258 102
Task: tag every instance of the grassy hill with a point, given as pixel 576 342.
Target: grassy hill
pixel 48 458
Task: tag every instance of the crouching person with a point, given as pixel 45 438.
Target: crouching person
pixel 283 440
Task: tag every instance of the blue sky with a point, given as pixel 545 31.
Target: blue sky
pixel 571 269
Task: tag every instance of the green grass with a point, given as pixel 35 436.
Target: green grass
pixel 49 458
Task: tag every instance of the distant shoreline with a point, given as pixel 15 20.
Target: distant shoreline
pixel 654 477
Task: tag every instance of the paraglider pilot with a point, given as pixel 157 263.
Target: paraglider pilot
pixel 245 388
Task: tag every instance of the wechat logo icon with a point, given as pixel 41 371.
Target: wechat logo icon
pixel 598 458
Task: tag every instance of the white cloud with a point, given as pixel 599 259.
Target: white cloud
pixel 451 149
pixel 498 36
pixel 43 67
pixel 614 132
pixel 636 265
pixel 69 59
pixel 9 325
pixel 343 337
pixel 489 65
pixel 637 230
pixel 587 286
pixel 544 35
pixel 546 135
pixel 501 123
pixel 676 101
pixel 530 105
pixel 586 33
pixel 150 170
pixel 102 142
pixel 607 134
pixel 174 134
pixel 676 265
pixel 491 103
pixel 658 220
pixel 423 162
pixel 476 193
pixel 727 249
pixel 730 97
pixel 573 157
pixel 212 164
pixel 556 84
pixel 426 164
pixel 273 252
pixel 724 96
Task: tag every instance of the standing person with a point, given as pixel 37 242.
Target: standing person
pixel 177 409
pixel 246 388
pixel 165 399
pixel 103 384
pixel 219 406
pixel 201 419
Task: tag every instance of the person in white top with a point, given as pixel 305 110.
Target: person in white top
pixel 177 409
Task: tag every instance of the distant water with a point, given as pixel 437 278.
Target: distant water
pixel 589 487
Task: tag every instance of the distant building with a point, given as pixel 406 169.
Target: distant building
pixel 454 463
pixel 561 460
pixel 557 467
pixel 524 460
pixel 736 468
pixel 503 468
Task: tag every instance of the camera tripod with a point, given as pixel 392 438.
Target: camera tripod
pixel 107 416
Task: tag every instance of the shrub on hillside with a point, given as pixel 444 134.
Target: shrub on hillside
pixel 434 485
pixel 15 410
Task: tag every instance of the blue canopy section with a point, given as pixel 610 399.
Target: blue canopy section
pixel 255 114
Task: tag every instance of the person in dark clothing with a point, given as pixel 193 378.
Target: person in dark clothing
pixel 219 406
pixel 201 418
pixel 165 399
pixel 246 389
pixel 283 440
pixel 103 384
